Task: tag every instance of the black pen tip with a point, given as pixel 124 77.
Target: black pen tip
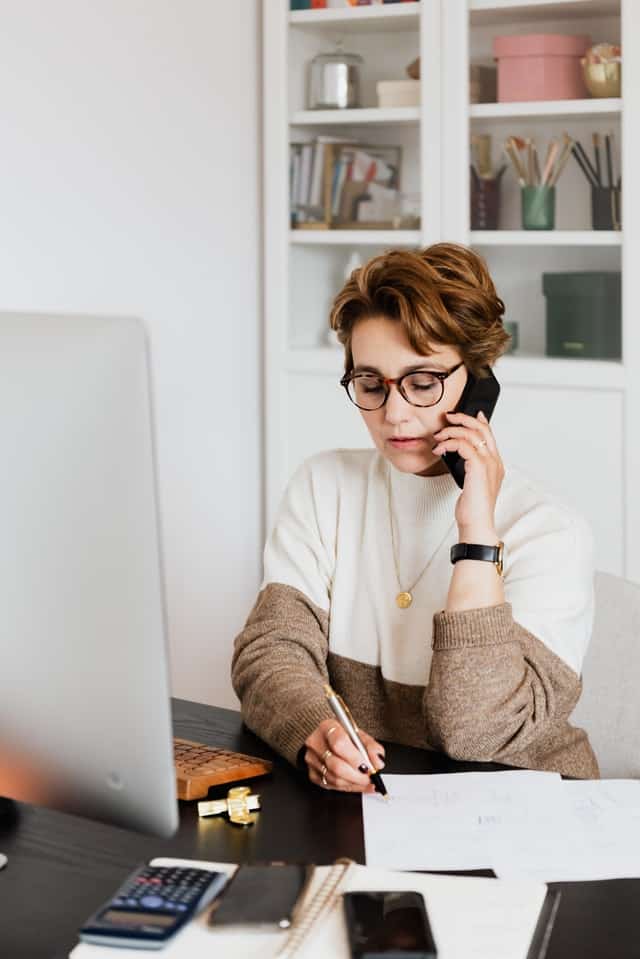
pixel 376 779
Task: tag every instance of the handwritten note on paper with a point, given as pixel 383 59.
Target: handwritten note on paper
pixel 597 837
pixel 523 825
pixel 453 821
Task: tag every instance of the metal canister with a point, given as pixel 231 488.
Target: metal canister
pixel 334 82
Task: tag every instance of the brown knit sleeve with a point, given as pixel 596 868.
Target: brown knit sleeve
pixel 279 666
pixel 497 693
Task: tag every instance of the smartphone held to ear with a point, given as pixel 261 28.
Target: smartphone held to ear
pixel 388 925
pixel 479 394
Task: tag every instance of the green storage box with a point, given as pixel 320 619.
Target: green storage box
pixel 584 314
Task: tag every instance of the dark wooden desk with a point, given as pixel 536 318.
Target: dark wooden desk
pixel 61 867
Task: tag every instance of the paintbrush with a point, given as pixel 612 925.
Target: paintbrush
pixel 552 150
pixel 562 162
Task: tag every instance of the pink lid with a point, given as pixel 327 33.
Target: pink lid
pixel 541 44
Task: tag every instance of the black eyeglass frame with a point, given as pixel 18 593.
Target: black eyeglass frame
pixel 388 382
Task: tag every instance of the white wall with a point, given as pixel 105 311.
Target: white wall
pixel 129 184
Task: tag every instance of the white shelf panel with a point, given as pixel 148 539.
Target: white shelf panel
pixel 501 11
pixel 510 370
pixel 591 107
pixel 356 117
pixel 561 373
pixel 356 237
pixel 359 19
pixel 546 237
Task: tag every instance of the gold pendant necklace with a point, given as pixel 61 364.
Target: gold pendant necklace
pixel 404 598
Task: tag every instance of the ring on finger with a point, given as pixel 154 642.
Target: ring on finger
pixel 323 775
pixel 481 444
pixel 326 755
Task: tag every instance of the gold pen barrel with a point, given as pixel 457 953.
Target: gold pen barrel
pixel 342 715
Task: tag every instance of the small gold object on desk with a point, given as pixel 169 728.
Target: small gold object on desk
pixel 238 804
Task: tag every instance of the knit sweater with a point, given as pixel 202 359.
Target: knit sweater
pixel 496 683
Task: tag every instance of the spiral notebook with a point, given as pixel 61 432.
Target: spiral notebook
pixel 471 918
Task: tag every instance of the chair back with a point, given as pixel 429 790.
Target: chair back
pixel 609 708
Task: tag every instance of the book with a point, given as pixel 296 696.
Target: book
pixel 471 917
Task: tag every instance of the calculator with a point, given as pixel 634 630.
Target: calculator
pixel 151 905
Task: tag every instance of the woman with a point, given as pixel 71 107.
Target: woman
pixel 359 587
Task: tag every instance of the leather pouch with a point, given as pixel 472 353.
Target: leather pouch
pixel 261 894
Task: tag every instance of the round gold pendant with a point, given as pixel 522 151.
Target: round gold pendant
pixel 404 600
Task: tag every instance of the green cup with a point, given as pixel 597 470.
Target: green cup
pixel 538 207
pixel 511 327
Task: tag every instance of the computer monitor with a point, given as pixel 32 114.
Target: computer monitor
pixel 85 722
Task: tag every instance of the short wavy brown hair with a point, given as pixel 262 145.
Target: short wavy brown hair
pixel 442 294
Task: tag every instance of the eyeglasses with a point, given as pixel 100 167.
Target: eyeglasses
pixel 369 391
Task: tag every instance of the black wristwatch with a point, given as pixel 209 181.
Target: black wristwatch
pixel 489 554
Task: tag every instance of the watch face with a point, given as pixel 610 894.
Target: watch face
pixel 500 559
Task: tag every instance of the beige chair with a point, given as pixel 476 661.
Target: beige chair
pixel 609 708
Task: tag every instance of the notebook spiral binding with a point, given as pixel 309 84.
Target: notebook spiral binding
pixel 313 910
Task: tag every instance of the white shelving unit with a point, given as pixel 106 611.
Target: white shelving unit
pixel 545 238
pixel 559 109
pixel 568 423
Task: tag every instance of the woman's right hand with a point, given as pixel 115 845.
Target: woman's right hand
pixel 335 763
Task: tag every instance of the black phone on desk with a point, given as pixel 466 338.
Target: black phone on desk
pixel 262 894
pixel 388 925
pixel 480 394
pixel 151 905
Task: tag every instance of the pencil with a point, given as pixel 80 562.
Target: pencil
pixel 536 165
pixel 582 166
pixel 552 150
pixel 608 137
pixel 587 162
pixel 596 153
pixel 562 162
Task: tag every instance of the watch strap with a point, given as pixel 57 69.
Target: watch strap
pixel 487 554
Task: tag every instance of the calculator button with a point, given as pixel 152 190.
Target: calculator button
pixel 152 902
pixel 181 907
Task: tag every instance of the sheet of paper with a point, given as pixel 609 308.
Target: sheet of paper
pixel 453 821
pixel 596 837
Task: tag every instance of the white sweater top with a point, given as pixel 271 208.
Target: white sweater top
pixel 332 541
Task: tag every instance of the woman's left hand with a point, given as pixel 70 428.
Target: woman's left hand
pixel 472 438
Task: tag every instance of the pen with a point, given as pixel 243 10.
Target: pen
pixel 342 714
pixel 596 152
pixel 607 147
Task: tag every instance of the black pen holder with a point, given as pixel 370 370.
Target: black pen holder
pixel 485 202
pixel 606 208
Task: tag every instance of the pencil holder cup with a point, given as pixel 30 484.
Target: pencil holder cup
pixel 511 327
pixel 485 203
pixel 606 210
pixel 538 207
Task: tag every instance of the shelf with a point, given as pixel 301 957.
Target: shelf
pixel 510 370
pixel 368 19
pixel 352 117
pixel 591 107
pixel 557 372
pixel 486 12
pixel 545 238
pixel 356 237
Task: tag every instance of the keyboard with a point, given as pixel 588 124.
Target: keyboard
pixel 198 767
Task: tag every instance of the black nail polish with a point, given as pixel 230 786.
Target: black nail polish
pixel 381 757
pixel 363 768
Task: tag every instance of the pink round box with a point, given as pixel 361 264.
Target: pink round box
pixel 540 66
